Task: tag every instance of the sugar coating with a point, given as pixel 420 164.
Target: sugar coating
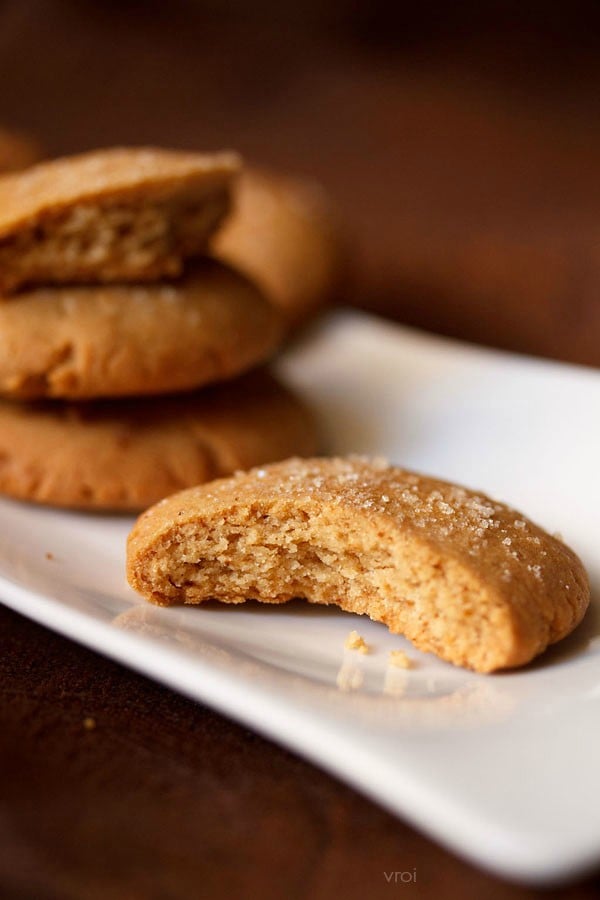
pixel 460 574
pixel 442 511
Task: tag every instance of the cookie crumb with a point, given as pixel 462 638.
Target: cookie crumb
pixel 355 642
pixel 399 660
pixel 89 723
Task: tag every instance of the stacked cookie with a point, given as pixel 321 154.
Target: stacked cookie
pixel 107 294
pixel 285 235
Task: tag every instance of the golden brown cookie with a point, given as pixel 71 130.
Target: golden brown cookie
pixel 283 234
pixel 17 151
pixel 110 215
pixel 461 575
pixel 116 340
pixel 126 454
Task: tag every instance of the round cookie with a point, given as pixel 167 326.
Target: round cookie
pixel 459 574
pixel 118 340
pixel 127 454
pixel 123 214
pixel 17 151
pixel 283 234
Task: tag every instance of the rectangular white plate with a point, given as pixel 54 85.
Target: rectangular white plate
pixel 503 769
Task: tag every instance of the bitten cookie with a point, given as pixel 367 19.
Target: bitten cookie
pixel 17 151
pixel 110 215
pixel 114 340
pixel 124 455
pixel 459 574
pixel 282 233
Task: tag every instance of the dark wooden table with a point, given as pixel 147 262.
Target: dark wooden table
pixel 465 164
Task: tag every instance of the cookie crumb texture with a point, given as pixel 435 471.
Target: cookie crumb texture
pixel 427 558
pixel 110 215
pixel 126 454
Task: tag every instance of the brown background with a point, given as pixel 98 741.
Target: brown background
pixel 461 145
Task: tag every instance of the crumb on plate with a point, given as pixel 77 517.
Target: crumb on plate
pixel 399 660
pixel 355 642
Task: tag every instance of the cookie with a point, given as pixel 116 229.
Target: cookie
pixel 460 575
pixel 110 215
pixel 115 340
pixel 17 151
pixel 127 454
pixel 283 234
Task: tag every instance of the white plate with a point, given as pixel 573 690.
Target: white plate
pixel 503 769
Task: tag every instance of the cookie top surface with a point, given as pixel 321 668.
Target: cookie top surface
pixel 491 536
pixel 105 174
pixel 499 587
pixel 284 233
pixel 116 340
pixel 127 454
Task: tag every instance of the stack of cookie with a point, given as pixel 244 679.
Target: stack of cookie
pixel 125 352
